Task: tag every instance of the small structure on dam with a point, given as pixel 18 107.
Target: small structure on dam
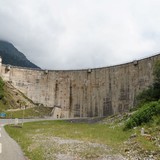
pixel 83 93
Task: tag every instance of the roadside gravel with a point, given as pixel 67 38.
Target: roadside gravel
pixel 56 148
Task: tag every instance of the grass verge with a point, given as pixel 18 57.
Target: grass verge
pixel 30 112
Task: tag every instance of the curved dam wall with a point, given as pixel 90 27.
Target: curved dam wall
pixel 84 93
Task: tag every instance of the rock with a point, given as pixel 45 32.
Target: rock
pixel 133 135
pixel 148 136
pixel 126 150
pixel 151 156
pixel 142 131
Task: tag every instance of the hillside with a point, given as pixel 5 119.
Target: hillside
pixel 12 102
pixel 10 55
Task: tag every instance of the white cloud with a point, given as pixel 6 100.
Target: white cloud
pixel 60 34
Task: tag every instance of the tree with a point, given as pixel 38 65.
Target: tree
pixel 156 71
pixel 152 93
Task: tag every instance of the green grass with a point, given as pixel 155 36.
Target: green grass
pixel 97 133
pixel 152 129
pixel 3 107
pixel 100 133
pixel 30 113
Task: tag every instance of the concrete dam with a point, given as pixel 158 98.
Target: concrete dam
pixel 83 93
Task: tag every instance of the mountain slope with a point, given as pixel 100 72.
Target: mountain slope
pixel 12 102
pixel 10 55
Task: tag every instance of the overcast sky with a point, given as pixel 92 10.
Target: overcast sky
pixel 74 34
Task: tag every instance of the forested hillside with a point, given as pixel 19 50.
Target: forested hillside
pixel 10 55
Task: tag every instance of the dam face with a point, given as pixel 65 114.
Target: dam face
pixel 84 93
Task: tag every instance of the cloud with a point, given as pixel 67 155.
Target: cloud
pixel 81 34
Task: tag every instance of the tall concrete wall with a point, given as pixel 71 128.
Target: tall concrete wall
pixel 84 93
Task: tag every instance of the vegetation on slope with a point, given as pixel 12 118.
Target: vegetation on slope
pixel 1 89
pixel 3 102
pixel 144 115
pixel 148 102
pixel 152 93
pixel 12 102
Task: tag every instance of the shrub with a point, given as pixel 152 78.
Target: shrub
pixel 152 93
pixel 1 88
pixel 143 115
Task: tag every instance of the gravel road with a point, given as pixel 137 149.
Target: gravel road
pixel 9 149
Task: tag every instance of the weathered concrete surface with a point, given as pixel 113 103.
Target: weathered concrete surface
pixel 84 93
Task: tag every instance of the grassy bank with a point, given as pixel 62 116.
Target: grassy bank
pixel 30 112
